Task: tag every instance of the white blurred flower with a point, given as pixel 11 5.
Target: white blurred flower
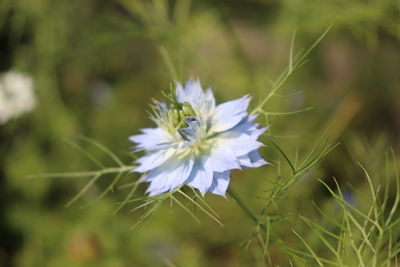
pixel 16 95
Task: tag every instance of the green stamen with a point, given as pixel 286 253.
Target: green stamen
pixel 177 115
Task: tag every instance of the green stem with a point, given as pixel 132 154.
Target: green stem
pixel 83 173
pixel 246 209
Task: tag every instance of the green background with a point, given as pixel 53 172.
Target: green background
pixel 96 65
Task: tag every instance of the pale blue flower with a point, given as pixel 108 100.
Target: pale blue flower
pixel 197 143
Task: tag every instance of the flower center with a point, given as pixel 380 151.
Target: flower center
pixel 184 123
pixel 188 123
pixel 177 116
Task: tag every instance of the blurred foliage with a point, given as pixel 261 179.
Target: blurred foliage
pixel 96 65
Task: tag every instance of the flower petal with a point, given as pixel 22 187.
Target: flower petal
pixel 201 177
pixel 151 138
pixel 252 160
pixel 245 127
pixel 241 145
pixel 154 159
pixel 204 102
pixel 241 139
pixel 170 175
pixel 220 183
pixel 229 114
pixel 192 91
pixel 223 159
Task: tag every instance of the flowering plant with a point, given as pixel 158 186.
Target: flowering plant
pixel 196 142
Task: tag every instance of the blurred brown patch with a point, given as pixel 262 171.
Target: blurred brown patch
pixel 83 247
